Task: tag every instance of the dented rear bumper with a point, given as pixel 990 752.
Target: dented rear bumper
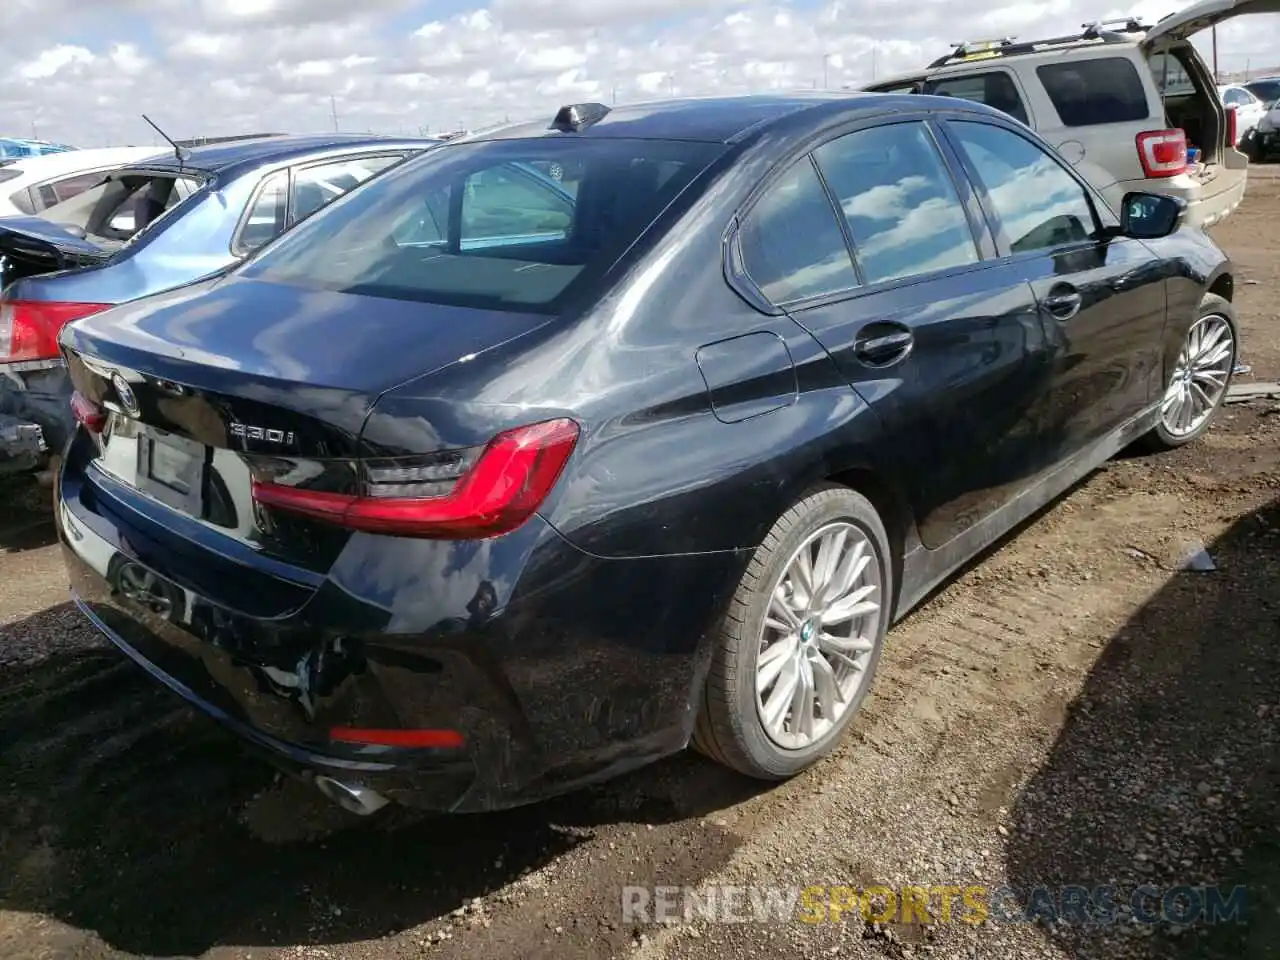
pixel 22 446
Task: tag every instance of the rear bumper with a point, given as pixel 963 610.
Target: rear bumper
pixel 22 446
pixel 35 412
pixel 1208 202
pixel 588 669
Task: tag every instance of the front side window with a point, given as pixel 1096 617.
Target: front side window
pixel 899 200
pixel 487 224
pixel 1038 203
pixel 1102 90
pixel 792 245
pixel 995 89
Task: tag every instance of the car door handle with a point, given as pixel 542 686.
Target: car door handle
pixel 1063 302
pixel 880 344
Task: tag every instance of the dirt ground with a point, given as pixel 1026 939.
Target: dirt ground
pixel 1071 711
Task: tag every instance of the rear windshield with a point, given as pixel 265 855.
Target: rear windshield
pixel 500 225
pixel 1268 91
pixel 1086 92
pixel 118 209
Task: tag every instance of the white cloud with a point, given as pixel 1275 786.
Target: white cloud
pixel 84 73
pixel 54 60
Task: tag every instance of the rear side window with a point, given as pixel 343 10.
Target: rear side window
pixel 485 224
pixel 1172 79
pixel 511 203
pixel 899 201
pixel 314 187
pixel 267 213
pixel 22 200
pixel 1088 92
pixel 792 244
pixel 58 190
pixel 995 89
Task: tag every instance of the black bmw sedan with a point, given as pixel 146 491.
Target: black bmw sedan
pixel 564 446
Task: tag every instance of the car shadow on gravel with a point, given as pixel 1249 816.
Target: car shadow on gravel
pixel 1167 771
pixel 27 522
pixel 124 813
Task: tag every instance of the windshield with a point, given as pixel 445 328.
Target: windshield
pixel 1268 91
pixel 500 225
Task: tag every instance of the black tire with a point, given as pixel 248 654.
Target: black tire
pixel 728 728
pixel 1159 439
pixel 1251 148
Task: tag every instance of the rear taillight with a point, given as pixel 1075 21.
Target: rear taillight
pixel 466 494
pixel 1163 153
pixel 87 412
pixel 431 739
pixel 29 328
pixel 1233 125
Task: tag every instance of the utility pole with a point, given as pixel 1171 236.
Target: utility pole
pixel 874 51
pixel 826 58
pixel 613 96
pixel 671 84
pixel 333 108
pixel 1215 53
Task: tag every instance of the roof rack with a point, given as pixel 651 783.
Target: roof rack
pixel 1006 47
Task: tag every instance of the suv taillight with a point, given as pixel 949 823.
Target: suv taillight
pixel 1233 126
pixel 29 328
pixel 1163 153
pixel 466 494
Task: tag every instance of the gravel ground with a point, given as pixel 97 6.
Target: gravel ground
pixel 1073 711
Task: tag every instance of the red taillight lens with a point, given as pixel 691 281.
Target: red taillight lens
pixel 1163 153
pixel 438 739
pixel 29 328
pixel 499 490
pixel 87 412
pixel 1233 126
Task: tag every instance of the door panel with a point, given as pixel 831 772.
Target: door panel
pixel 1102 304
pixel 958 406
pixel 1108 352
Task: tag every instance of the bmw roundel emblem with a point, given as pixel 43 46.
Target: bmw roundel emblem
pixel 128 401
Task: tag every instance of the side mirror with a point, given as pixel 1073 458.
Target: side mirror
pixel 1150 216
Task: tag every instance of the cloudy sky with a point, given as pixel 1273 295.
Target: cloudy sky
pixel 81 71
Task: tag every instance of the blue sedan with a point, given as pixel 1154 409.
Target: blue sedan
pixel 149 227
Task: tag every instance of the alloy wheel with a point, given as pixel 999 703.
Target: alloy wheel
pixel 1200 375
pixel 818 634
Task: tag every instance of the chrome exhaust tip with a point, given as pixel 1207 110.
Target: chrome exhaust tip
pixel 351 797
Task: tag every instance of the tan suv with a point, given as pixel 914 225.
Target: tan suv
pixel 1132 106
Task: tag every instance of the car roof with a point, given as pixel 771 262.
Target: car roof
pixel 69 161
pixel 704 119
pixel 226 157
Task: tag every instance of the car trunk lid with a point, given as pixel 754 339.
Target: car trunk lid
pixel 191 398
pixel 31 246
pixel 1202 16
